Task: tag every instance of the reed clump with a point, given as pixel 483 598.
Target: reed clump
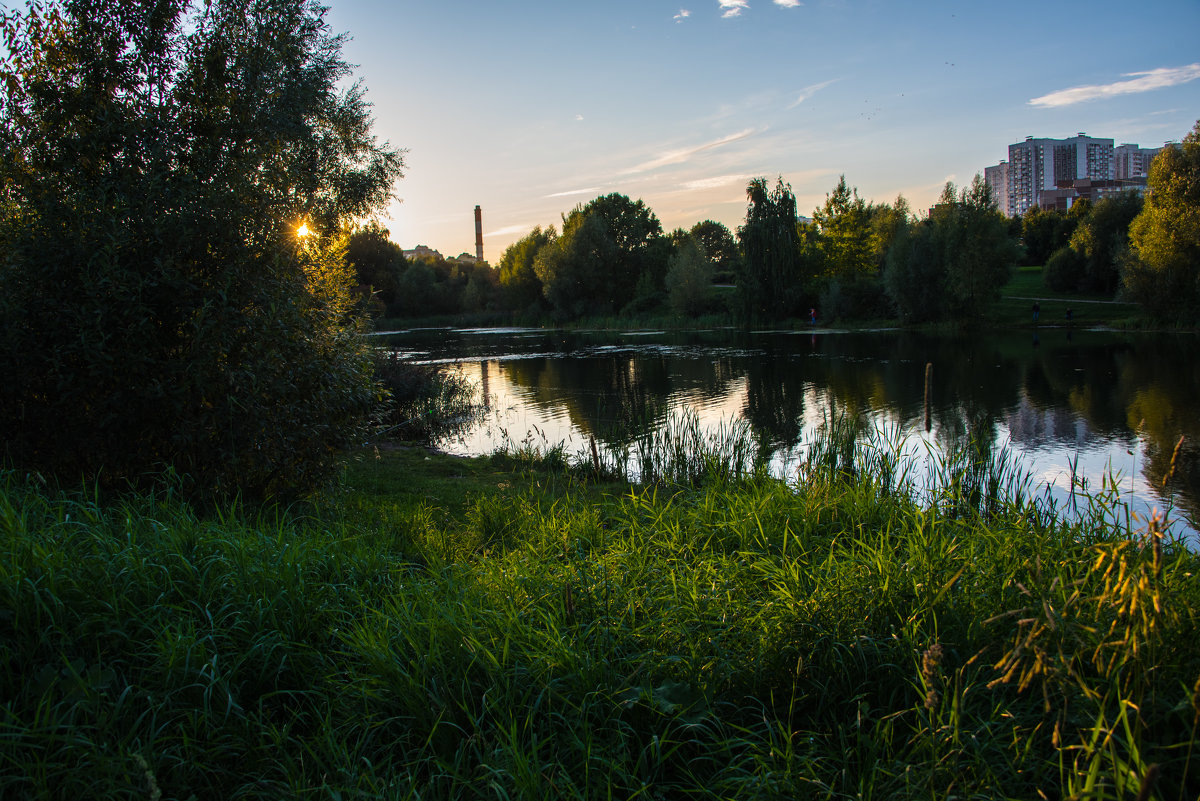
pixel 701 632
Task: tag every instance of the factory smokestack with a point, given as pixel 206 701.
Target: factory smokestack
pixel 478 234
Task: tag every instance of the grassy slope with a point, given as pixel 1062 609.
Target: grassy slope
pixel 485 628
pixel 1015 310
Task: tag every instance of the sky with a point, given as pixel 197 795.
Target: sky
pixel 529 108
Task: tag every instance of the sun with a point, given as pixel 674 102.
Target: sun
pixel 303 230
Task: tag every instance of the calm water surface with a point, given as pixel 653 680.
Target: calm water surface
pixel 1112 405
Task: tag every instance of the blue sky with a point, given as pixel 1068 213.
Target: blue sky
pixel 530 108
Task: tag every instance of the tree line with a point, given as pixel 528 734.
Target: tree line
pixel 854 259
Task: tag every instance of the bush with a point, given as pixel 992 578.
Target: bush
pixel 1065 270
pixel 419 402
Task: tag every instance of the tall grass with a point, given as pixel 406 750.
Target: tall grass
pixel 710 633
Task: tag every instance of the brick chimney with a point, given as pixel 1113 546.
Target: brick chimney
pixel 478 234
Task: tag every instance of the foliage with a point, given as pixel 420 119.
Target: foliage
pixel 519 283
pixel 720 247
pixel 887 223
pixel 1100 245
pixel 1164 276
pixel 953 264
pixel 773 275
pixel 854 238
pixel 157 309
pixel 640 248
pixel 573 267
pixel 419 402
pixel 1065 270
pixel 432 286
pixel 1044 231
pixel 605 251
pixel 914 275
pixel 979 253
pixel 378 263
pixel 689 277
pixel 848 244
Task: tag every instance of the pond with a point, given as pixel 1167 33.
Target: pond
pixel 1101 406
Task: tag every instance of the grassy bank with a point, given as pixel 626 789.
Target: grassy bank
pixel 1014 309
pixel 516 628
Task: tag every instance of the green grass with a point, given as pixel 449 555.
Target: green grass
pixel 512 627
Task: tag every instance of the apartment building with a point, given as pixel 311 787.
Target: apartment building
pixel 1131 161
pixel 1041 165
pixel 997 178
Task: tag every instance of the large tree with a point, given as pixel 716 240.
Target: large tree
pixel 689 276
pixel 720 247
pixel 158 310
pixel 773 273
pixel 952 265
pixel 1098 247
pixel 574 268
pixel 1165 275
pixel 519 283
pixel 980 255
pixel 641 248
pixel 847 239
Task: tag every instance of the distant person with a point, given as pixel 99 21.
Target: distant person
pixel 1037 309
pixel 1070 315
pixel 812 316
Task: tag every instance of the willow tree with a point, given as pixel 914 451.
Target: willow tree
pixel 772 276
pixel 156 306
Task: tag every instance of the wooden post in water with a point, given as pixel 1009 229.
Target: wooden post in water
pixel 929 396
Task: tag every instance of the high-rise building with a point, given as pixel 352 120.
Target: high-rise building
pixel 1131 161
pixel 1039 165
pixel 997 178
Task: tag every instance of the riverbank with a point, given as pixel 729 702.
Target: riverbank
pixel 514 627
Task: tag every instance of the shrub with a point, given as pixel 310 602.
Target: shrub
pixel 419 402
pixel 1065 270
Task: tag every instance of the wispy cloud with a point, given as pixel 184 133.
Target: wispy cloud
pixel 732 8
pixel 788 3
pixel 682 15
pixel 1139 82
pixel 685 154
pixel 715 182
pixel 809 91
pixel 589 190
pixel 579 118
pixel 510 229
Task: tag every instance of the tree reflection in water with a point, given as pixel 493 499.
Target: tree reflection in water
pixel 1096 400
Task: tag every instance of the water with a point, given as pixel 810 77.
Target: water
pixel 1093 406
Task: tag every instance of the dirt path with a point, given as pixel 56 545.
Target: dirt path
pixel 1068 300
